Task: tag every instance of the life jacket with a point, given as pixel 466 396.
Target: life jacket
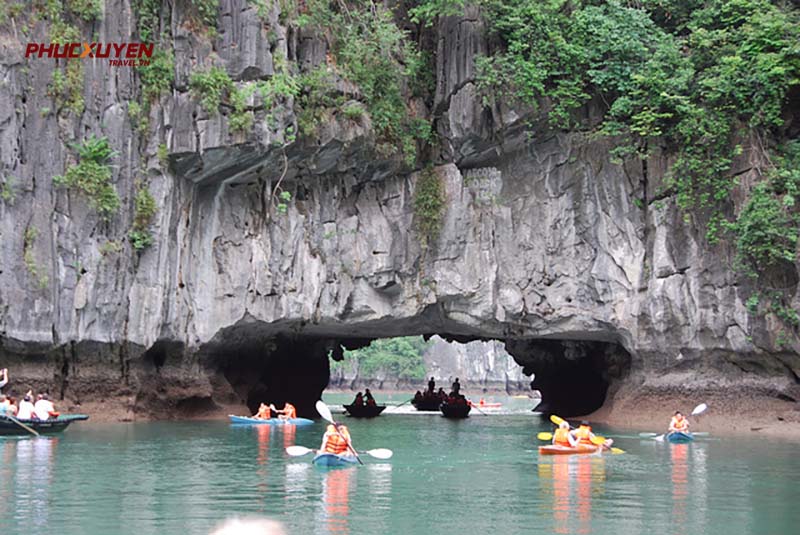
pixel 561 437
pixel 679 425
pixel 583 434
pixel 336 442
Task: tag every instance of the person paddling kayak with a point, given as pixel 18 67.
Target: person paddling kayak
pixel 288 412
pixel 679 423
pixel 583 434
pixel 336 441
pixel 562 436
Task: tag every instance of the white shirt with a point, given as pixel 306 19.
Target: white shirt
pixel 25 411
pixel 43 408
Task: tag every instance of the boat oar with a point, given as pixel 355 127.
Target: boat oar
pixel 406 401
pixel 25 427
pixel 474 406
pixel 544 435
pixel 325 412
pixel 379 453
pixel 700 409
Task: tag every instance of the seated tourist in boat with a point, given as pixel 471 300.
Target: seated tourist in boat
pixel 679 423
pixel 336 440
pixel 26 407
pixel 583 434
pixel 264 412
pixel 359 401
pixel 44 408
pixel 368 398
pixel 288 412
pixel 562 436
pixel 12 407
pixel 441 394
pixel 417 396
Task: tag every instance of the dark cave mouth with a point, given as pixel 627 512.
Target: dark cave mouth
pixel 573 376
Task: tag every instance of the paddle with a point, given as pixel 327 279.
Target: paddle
pixel 25 427
pixel 325 412
pixel 406 401
pixel 379 453
pixel 475 406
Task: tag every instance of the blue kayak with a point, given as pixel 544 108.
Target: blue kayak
pixel 272 421
pixel 332 459
pixel 678 437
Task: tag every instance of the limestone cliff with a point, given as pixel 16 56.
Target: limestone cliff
pixel 545 242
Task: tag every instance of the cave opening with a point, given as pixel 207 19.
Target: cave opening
pixel 573 377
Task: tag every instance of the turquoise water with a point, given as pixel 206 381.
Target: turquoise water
pixel 480 475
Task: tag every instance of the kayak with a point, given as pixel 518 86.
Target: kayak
pixel 485 405
pixel 678 437
pixel 332 459
pixel 272 421
pixel 552 449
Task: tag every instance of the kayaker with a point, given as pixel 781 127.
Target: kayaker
pixel 583 434
pixel 336 440
pixel 44 408
pixel 679 423
pixel 26 408
pixel 368 398
pixel 288 412
pixel 264 412
pixel 562 436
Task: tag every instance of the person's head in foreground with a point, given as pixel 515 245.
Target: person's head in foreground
pixel 249 526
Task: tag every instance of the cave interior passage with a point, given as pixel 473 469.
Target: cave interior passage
pixel 573 376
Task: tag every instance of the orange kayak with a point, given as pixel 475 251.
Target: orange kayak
pixel 565 450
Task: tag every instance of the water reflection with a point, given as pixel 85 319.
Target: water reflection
pixel 32 480
pixel 572 481
pixel 679 456
pixel 336 498
pixel 289 433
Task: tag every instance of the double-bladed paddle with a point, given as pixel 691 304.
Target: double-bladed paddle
pixel 325 412
pixel 379 453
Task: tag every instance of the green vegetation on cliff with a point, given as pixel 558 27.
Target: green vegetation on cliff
pixel 705 80
pixel 395 357
pixel 92 176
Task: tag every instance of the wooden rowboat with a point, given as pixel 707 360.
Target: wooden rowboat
pixel 455 410
pixel 9 427
pixel 364 411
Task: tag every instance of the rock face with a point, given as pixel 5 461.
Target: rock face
pixel 545 244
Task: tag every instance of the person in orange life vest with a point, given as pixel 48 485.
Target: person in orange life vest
pixel 678 424
pixel 288 412
pixel 562 436
pixel 584 435
pixel 336 441
pixel 264 412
